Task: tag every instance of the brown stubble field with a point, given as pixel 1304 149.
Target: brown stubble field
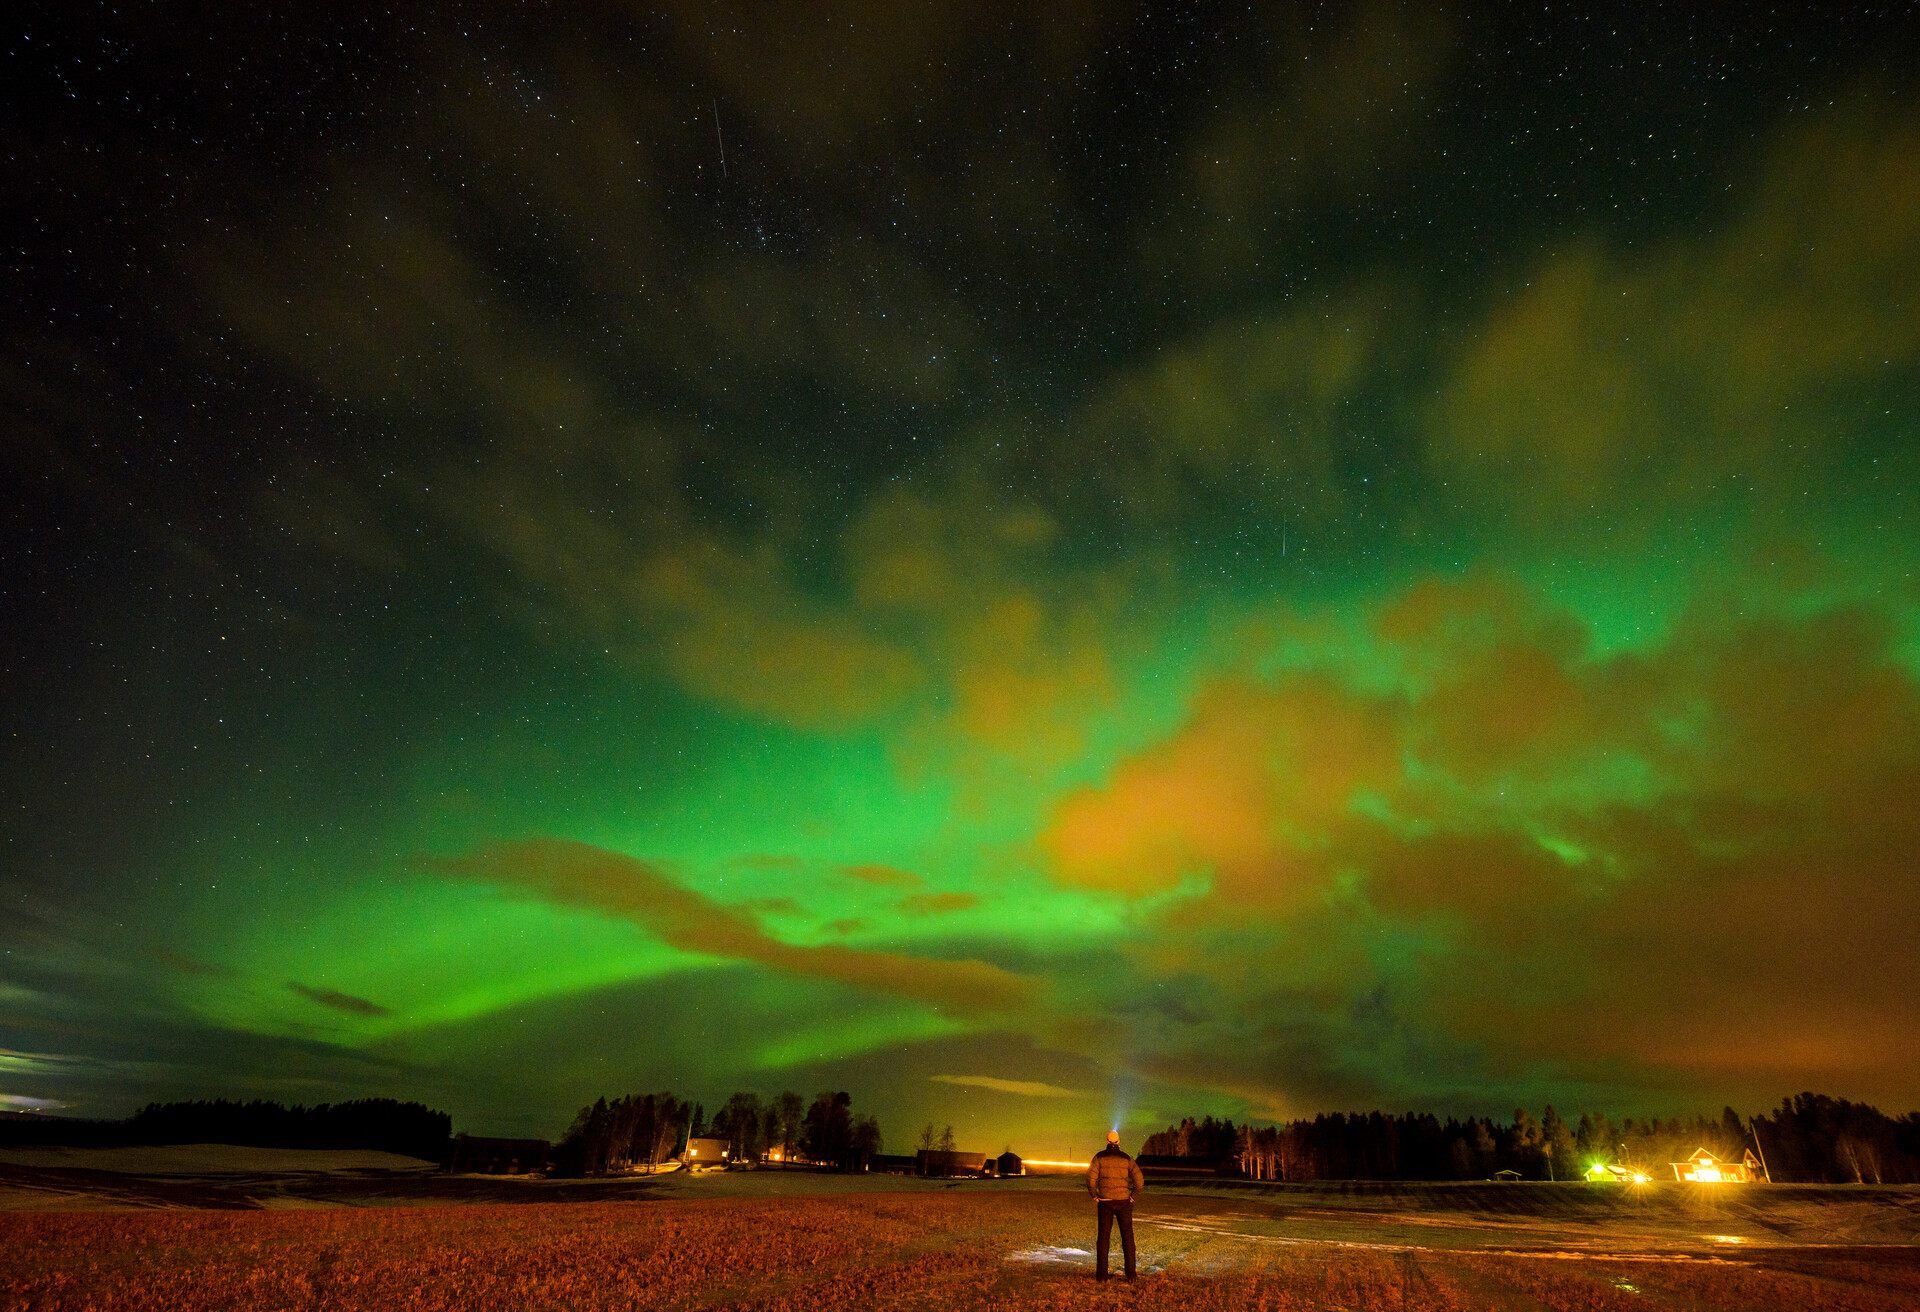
pixel 948 1251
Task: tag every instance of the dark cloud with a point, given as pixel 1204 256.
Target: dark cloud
pixel 588 474
pixel 188 965
pixel 1525 837
pixel 1333 107
pixel 576 874
pixel 884 876
pixel 1650 377
pixel 339 1001
pixel 936 904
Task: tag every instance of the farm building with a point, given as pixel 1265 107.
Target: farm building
pixel 1601 1173
pixel 934 1162
pixel 476 1156
pixel 1702 1167
pixel 1009 1163
pixel 706 1152
pixel 894 1164
pixel 1507 1177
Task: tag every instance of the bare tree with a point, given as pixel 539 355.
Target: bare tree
pixel 788 1111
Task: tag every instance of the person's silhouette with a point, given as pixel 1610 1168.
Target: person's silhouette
pixel 1114 1180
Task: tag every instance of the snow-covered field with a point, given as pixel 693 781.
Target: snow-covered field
pixel 987 1246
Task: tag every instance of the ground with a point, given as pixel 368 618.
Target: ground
pixel 318 1231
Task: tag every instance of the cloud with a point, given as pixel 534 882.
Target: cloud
pixel 1019 648
pixel 1515 856
pixel 339 1001
pixel 884 876
pixel 576 874
pixel 600 509
pixel 1333 109
pixel 825 74
pixel 741 639
pixel 66 1067
pixel 946 601
pixel 1578 389
pixel 1258 777
pixel 35 1063
pixel 1254 400
pixel 583 507
pixel 772 905
pixel 1024 1088
pixel 1611 377
pixel 187 965
pixel 936 904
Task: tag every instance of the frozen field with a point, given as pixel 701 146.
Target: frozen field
pixel 222 1231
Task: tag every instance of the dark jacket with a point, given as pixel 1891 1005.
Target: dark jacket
pixel 1114 1177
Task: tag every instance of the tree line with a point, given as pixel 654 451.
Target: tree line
pixel 1823 1140
pixel 641 1130
pixel 382 1124
pixel 1811 1138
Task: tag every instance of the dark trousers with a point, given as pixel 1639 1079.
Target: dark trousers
pixel 1109 1213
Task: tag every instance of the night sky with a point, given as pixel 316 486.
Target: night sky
pixel 1043 565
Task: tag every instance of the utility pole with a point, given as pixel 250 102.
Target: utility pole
pixel 1754 1130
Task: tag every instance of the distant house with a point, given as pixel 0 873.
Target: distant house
pixel 934 1162
pixel 1602 1173
pixel 1009 1163
pixel 477 1156
pixel 706 1153
pixel 1702 1167
pixel 894 1164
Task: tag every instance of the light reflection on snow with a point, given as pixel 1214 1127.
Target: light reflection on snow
pixel 1055 1255
pixel 1049 1253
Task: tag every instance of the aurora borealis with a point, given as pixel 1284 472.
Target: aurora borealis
pixel 1114 562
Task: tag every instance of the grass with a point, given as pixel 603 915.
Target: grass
pixel 947 1251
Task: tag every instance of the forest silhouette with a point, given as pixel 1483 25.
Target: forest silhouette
pixel 639 1131
pixel 411 1129
pixel 1811 1138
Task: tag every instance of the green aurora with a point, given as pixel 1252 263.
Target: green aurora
pixel 1370 562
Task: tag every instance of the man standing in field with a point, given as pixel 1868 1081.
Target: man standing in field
pixel 1114 1180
